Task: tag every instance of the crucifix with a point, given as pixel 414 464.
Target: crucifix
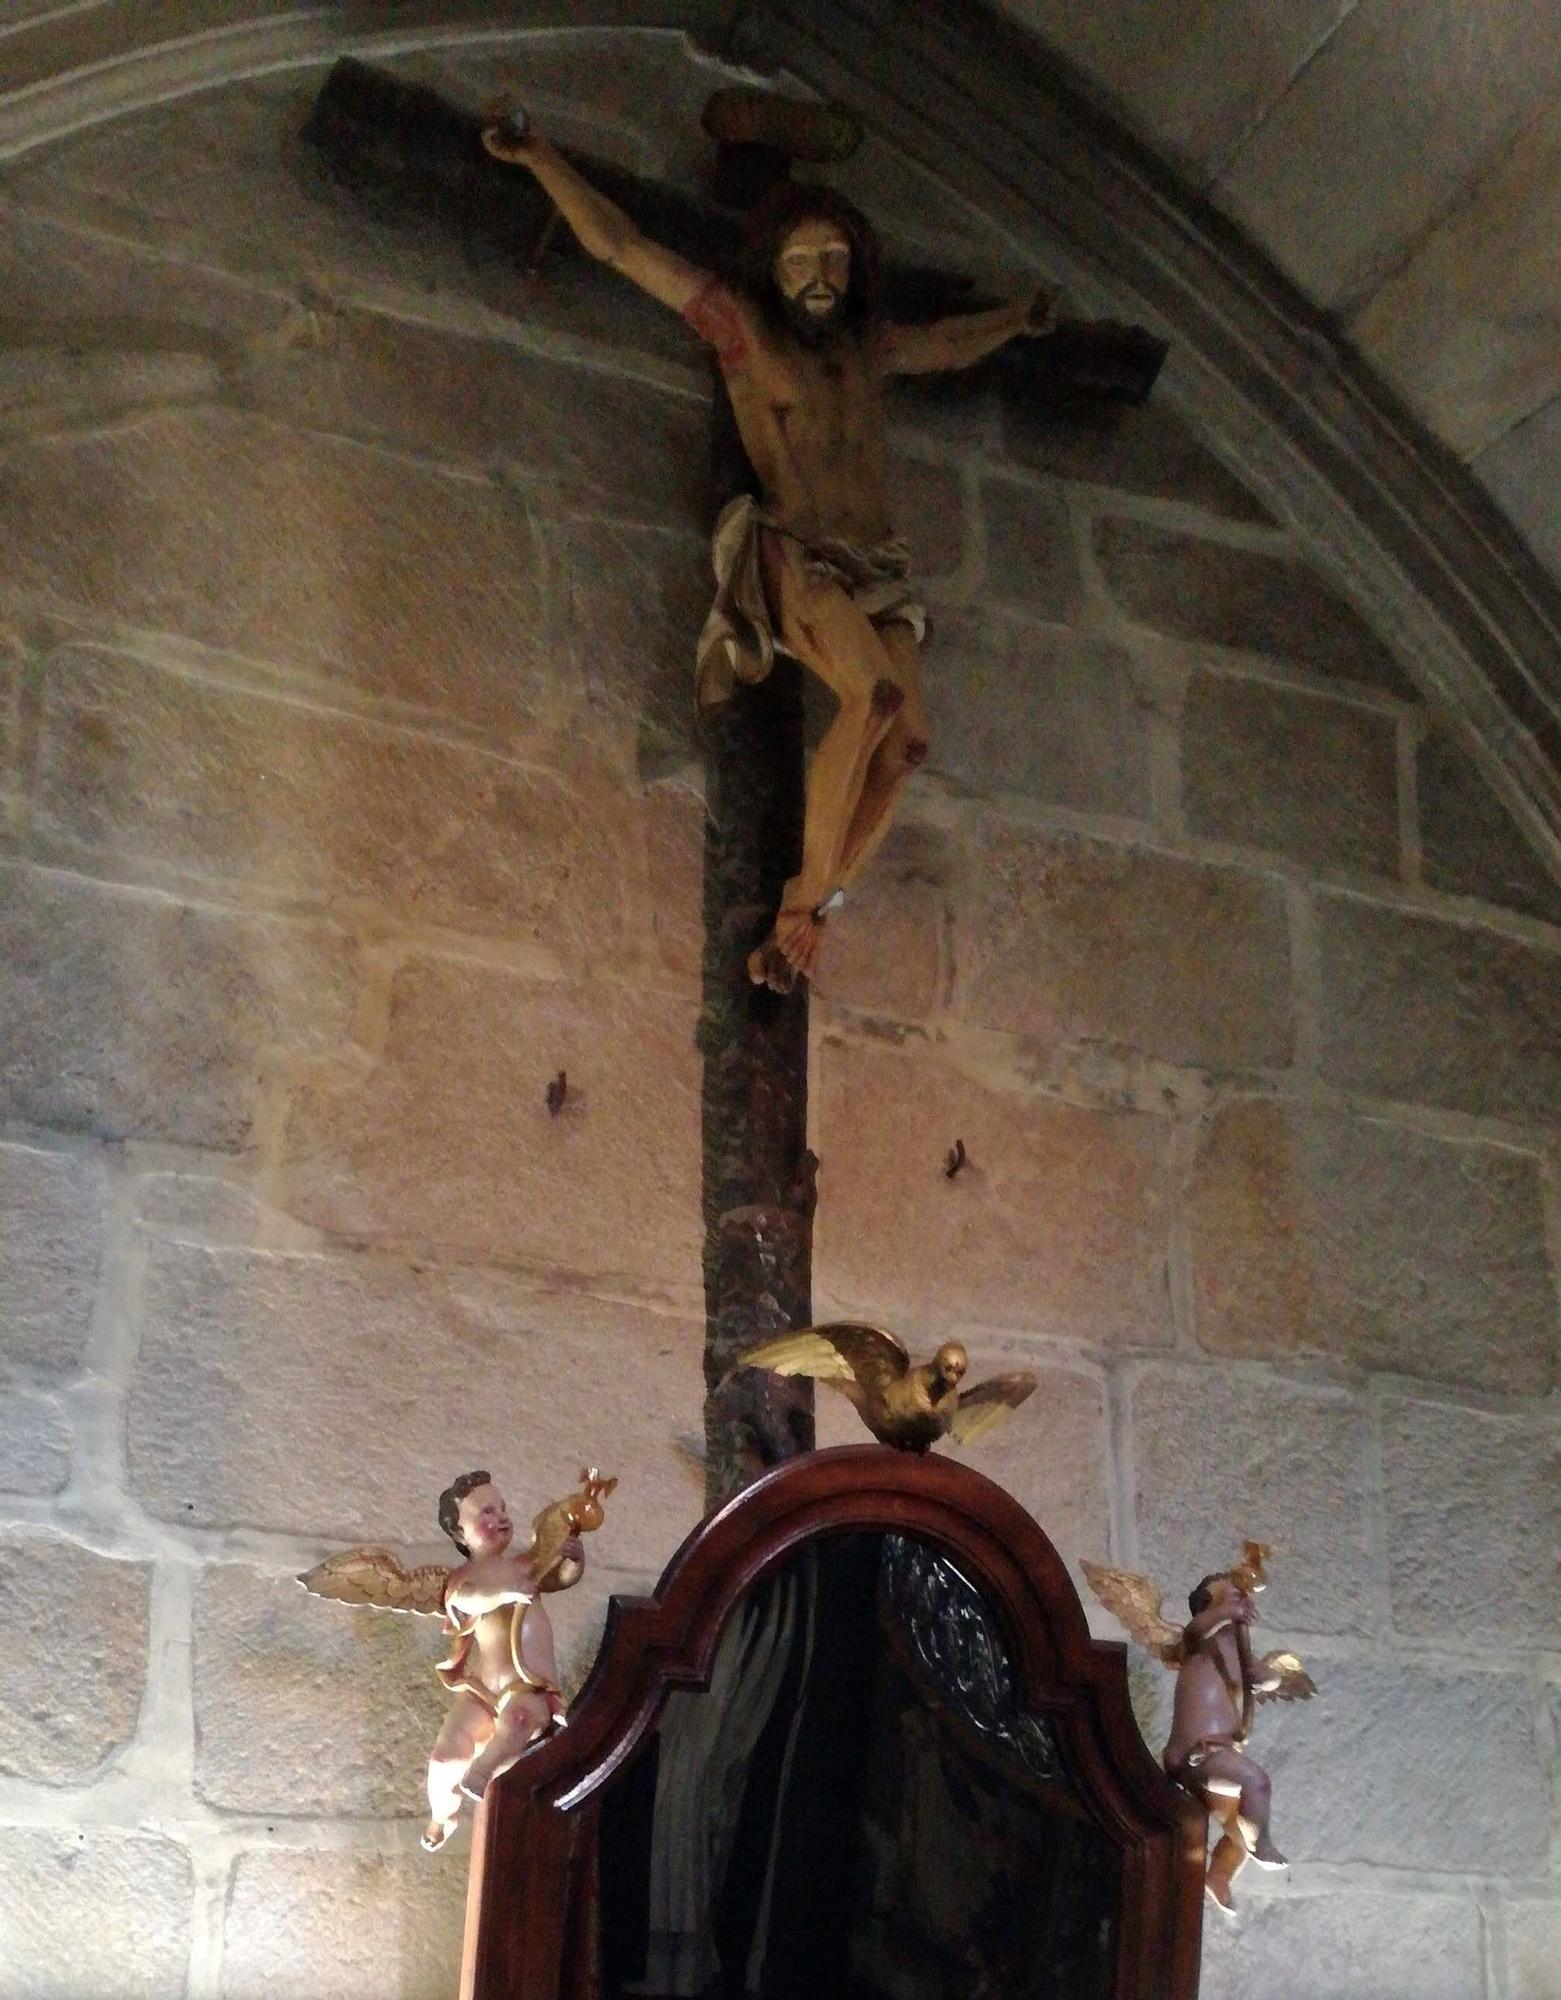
pixel 783 283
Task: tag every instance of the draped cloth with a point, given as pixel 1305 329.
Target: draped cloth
pixel 708 1743
pixel 739 640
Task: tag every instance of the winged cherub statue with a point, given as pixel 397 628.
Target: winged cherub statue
pixel 1217 1684
pixel 908 1406
pixel 499 1663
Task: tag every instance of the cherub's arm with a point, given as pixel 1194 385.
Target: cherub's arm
pixel 604 230
pixel 1214 1618
pixel 965 339
pixel 468 1598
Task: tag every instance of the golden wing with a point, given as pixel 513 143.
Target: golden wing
pixel 843 1351
pixel 988 1403
pixel 1281 1677
pixel 375 1576
pixel 1136 1602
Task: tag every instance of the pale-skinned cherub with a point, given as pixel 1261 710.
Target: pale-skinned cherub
pixel 1217 1684
pixel 500 1663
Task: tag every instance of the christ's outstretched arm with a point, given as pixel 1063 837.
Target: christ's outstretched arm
pixel 604 230
pixel 966 338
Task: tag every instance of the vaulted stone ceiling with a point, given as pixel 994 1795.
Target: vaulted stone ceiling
pixel 1400 160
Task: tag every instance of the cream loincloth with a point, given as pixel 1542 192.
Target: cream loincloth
pixel 739 641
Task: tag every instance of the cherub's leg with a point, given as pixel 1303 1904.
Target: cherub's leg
pixel 1230 1853
pixel 466 1728
pixel 817 621
pixel 523 1718
pixel 1238 1791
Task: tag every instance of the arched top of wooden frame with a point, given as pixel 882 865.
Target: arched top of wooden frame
pixel 533 1846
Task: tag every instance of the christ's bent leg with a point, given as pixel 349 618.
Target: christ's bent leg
pixel 902 751
pixel 817 621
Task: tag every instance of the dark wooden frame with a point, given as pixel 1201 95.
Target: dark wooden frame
pixel 530 1918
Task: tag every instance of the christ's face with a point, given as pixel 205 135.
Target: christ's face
pixel 813 270
pixel 484 1521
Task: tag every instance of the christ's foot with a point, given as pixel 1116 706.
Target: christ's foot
pixel 436 1833
pixel 769 966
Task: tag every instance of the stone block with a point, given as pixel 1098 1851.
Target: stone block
pixel 1049 715
pixel 1469 844
pixel 1310 778
pixel 1519 468
pixel 587 432
pixel 387 1926
pixel 35 1443
pixel 308 1708
pixel 73 1639
pixel 310 554
pixel 1057 1225
pixel 929 511
pixel 217 781
pixel 130 1015
pixel 1070 939
pixel 103 296
pixel 1345 1945
pixel 1382 132
pixel 450 1141
pixel 1439 1013
pixel 1533 1949
pixel 1473 1503
pixel 1149 450
pixel 1466 325
pixel 1197 77
pixel 1442 1735
pixel 885 952
pixel 51 1222
pixel 253 1369
pixel 632 601
pixel 1206 591
pixel 1316 1233
pixel 675 849
pixel 93 1912
pixel 1298 1457
pixel 11 664
pixel 1031 559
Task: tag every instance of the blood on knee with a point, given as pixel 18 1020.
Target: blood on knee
pixel 916 752
pixel 888 697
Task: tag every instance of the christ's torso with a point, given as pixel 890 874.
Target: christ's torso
pixel 812 424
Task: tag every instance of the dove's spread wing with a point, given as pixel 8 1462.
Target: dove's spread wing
pixel 374 1576
pixel 844 1351
pixel 988 1403
pixel 1281 1677
pixel 1136 1602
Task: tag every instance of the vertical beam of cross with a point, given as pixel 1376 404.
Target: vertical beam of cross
pixel 758 1172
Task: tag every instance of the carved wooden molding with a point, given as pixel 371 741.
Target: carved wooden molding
pixel 535 1833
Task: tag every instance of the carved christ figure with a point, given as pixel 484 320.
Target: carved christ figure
pixel 813 567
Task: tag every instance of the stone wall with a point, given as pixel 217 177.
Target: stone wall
pixel 348 793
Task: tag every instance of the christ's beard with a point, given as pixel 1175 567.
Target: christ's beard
pixel 814 329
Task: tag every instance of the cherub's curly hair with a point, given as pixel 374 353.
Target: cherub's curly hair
pixel 792 202
pixel 1203 1593
pixel 450 1504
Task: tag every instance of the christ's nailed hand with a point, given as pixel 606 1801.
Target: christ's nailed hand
pixel 511 136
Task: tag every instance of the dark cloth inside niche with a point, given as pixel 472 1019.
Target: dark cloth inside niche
pixel 846 1830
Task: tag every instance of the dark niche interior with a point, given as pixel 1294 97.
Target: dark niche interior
pixel 858 1806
